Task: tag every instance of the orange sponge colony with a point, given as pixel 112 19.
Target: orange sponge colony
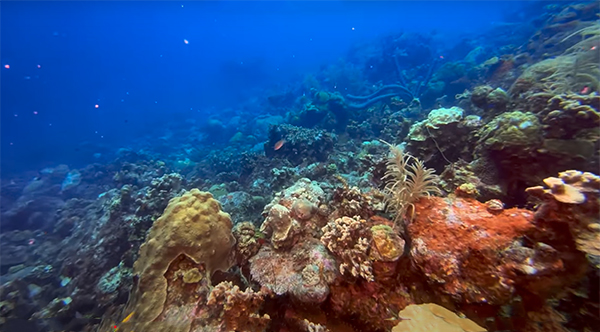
pixel 192 226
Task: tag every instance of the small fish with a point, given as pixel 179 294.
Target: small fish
pixel 585 90
pixel 124 321
pixel 128 317
pixel 279 144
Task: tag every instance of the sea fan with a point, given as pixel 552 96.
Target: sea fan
pixel 407 180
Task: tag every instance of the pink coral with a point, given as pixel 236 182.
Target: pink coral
pixel 303 272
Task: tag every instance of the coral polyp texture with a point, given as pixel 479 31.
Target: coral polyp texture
pixel 304 272
pixel 191 240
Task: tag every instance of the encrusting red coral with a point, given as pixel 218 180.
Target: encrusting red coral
pixel 457 243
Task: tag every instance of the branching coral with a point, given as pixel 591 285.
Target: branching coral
pixel 239 309
pixel 407 181
pixel 349 239
pixel 350 201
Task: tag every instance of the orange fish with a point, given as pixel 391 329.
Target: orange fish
pixel 279 144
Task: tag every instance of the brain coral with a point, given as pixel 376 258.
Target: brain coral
pixel 192 226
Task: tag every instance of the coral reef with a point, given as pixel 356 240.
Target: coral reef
pixel 447 125
pixel 299 144
pixel 293 213
pixel 572 199
pixel 492 101
pixel 246 242
pixel 575 70
pixel 289 211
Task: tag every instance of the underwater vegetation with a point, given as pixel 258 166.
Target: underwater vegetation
pixel 453 193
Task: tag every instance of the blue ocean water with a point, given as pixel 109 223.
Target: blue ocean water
pixel 132 60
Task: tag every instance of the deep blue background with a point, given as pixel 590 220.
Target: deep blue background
pixel 130 58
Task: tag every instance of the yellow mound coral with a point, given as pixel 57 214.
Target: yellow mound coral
pixel 387 245
pixel 432 317
pixel 192 226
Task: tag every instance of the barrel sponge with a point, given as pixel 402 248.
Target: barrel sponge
pixel 193 225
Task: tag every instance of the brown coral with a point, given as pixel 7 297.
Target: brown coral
pixel 246 244
pixel 303 209
pixel 280 226
pixel 349 239
pixel 294 213
pixel 350 201
pixel 192 233
pixel 240 310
